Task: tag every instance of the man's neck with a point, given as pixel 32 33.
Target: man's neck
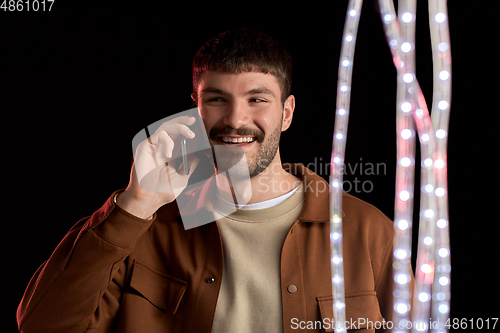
pixel 271 183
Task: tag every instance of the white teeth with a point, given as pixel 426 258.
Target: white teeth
pixel 237 140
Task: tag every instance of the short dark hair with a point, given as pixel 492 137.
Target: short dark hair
pixel 244 50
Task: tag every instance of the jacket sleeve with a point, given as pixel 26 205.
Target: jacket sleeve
pixel 79 287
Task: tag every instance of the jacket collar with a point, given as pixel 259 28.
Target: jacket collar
pixel 317 195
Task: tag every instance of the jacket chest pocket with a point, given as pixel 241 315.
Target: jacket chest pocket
pixel 161 290
pixel 362 312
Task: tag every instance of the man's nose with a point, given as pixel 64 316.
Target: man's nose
pixel 236 115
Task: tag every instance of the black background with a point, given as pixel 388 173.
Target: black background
pixel 77 84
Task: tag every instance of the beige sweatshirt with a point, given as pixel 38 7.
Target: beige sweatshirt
pixel 250 294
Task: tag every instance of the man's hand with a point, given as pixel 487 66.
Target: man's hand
pixel 154 181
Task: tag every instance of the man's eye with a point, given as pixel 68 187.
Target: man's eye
pixel 257 100
pixel 216 99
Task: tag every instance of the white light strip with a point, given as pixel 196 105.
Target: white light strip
pixel 401 40
pixel 440 41
pixel 337 160
pixel 432 273
pixel 432 187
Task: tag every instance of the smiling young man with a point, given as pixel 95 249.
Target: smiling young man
pixel 244 113
pixel 265 267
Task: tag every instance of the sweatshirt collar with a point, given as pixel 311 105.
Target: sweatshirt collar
pixel 317 195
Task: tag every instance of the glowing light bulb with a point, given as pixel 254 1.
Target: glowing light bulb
pixel 403 224
pixel 440 133
pixel 336 279
pixel 339 136
pixel 440 191
pixel 427 162
pixel 337 219
pixel 406 107
pixel 444 75
pixel 352 12
pixel 406 47
pixel 337 159
pixel 428 188
pixel 426 268
pixel 440 17
pixel 442 46
pixel 441 223
pixel 428 240
pixel 343 88
pixel 443 280
pixel 335 183
pixel 443 252
pixel 345 63
pixel 406 134
pixel 408 77
pixel 423 297
pixel 405 161
pixel 348 38
pixel 387 17
pixel 400 254
pixel 439 163
pixel 443 105
pixel 404 195
pixel 401 279
pixel 401 308
pixel 428 213
pixel 336 260
pixel 443 308
pixel 342 112
pixel 406 17
pixel 425 137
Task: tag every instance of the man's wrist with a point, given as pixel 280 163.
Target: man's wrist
pixel 134 207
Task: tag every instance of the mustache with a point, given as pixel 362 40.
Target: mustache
pixel 243 131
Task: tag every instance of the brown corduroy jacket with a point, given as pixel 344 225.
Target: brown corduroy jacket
pixel 114 272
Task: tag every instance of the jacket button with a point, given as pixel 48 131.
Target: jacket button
pixel 292 288
pixel 210 280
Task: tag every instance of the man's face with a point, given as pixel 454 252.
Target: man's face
pixel 242 114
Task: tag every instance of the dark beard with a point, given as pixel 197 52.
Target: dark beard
pixel 267 152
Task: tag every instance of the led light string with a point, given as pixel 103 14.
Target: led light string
pixel 440 42
pixel 432 276
pixel 412 103
pixel 405 170
pixel 337 160
pixel 433 268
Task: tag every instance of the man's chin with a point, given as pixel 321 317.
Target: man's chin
pixel 233 162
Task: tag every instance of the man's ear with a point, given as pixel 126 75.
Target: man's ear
pixel 288 108
pixel 194 103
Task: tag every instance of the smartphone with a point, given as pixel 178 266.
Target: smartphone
pixel 185 161
pixel 184 143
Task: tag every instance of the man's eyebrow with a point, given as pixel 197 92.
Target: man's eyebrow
pixel 215 91
pixel 261 90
